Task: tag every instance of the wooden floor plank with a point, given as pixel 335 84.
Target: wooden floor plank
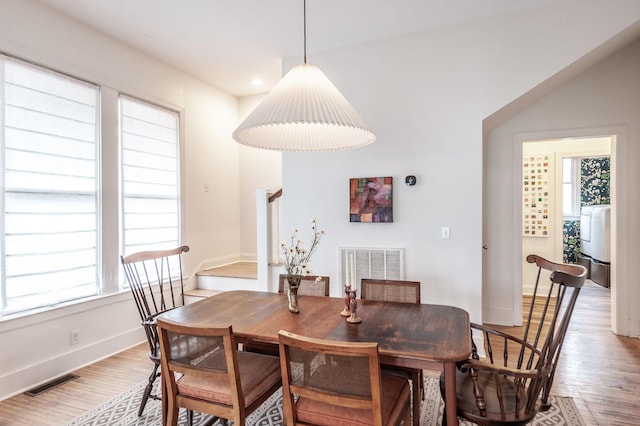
pixel 95 385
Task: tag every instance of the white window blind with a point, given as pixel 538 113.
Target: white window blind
pixel 150 176
pixel 50 142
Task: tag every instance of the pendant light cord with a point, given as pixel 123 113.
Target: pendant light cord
pixel 304 9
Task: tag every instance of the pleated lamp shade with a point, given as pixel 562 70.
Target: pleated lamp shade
pixel 304 112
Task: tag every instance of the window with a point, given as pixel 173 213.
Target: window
pixel 150 178
pixel 571 187
pixel 49 142
pixel 54 171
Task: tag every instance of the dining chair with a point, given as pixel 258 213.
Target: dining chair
pixel 203 371
pixel 339 383
pixel 512 383
pixel 156 281
pixel 405 292
pixel 310 285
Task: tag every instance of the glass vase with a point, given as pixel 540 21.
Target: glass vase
pixel 292 293
pixel 293 284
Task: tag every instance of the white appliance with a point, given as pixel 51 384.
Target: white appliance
pixel 601 234
pixel 595 241
pixel 585 230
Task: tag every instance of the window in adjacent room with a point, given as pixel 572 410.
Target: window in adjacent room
pixel 150 176
pixel 49 140
pixel 571 187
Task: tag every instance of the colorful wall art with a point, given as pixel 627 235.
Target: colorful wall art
pixel 371 199
pixel 535 195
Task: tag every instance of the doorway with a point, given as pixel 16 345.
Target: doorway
pixel 502 268
pixel 553 231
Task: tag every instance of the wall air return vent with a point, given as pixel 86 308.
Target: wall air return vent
pixel 357 263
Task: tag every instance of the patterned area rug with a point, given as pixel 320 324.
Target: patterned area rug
pixel 123 411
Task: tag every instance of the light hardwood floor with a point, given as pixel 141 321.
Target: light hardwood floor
pixel 599 369
pixel 97 383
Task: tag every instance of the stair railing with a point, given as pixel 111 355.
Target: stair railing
pixel 275 227
pixel 268 233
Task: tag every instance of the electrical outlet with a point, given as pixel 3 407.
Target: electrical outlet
pixel 74 337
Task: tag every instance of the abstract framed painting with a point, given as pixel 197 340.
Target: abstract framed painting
pixel 371 199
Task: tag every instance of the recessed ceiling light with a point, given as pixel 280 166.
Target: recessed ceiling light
pixel 257 82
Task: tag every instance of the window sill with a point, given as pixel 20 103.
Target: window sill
pixel 27 318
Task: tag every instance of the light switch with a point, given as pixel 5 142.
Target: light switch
pixel 445 233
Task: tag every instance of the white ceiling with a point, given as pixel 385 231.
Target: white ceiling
pixel 228 43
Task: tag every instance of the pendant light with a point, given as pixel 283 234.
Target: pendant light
pixel 304 112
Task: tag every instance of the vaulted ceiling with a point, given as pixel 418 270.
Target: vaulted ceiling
pixel 229 43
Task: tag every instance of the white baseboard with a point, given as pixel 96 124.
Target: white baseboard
pixel 19 381
pixel 498 316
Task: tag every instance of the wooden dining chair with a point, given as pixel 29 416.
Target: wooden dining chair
pixel 338 383
pixel 203 371
pixel 512 384
pixel 310 285
pixel 404 292
pixel 156 281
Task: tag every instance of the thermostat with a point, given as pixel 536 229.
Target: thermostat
pixel 410 180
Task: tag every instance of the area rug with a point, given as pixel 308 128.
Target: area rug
pixel 123 411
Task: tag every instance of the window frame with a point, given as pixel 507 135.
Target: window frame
pixel 575 188
pixel 109 203
pixel 121 181
pixel 53 92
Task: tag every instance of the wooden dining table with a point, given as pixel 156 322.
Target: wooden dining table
pixel 411 335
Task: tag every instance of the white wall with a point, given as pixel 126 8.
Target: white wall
pixel 36 348
pixel 260 169
pixel 426 96
pixel 604 100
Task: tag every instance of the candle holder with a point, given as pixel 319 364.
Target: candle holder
pixel 353 306
pixel 346 312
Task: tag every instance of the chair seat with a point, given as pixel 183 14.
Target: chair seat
pixel 394 390
pixel 466 400
pixel 258 373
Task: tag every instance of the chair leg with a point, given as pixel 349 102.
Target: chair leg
pixel 407 418
pixel 544 398
pixel 416 396
pixel 148 388
pixel 172 414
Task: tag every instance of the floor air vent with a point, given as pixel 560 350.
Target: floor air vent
pixel 51 384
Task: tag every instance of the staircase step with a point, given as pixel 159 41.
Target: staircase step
pixel 196 294
pixel 233 270
pixel 234 276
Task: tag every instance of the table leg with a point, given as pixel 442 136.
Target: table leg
pixel 450 393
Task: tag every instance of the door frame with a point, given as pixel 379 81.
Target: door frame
pixel 620 323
